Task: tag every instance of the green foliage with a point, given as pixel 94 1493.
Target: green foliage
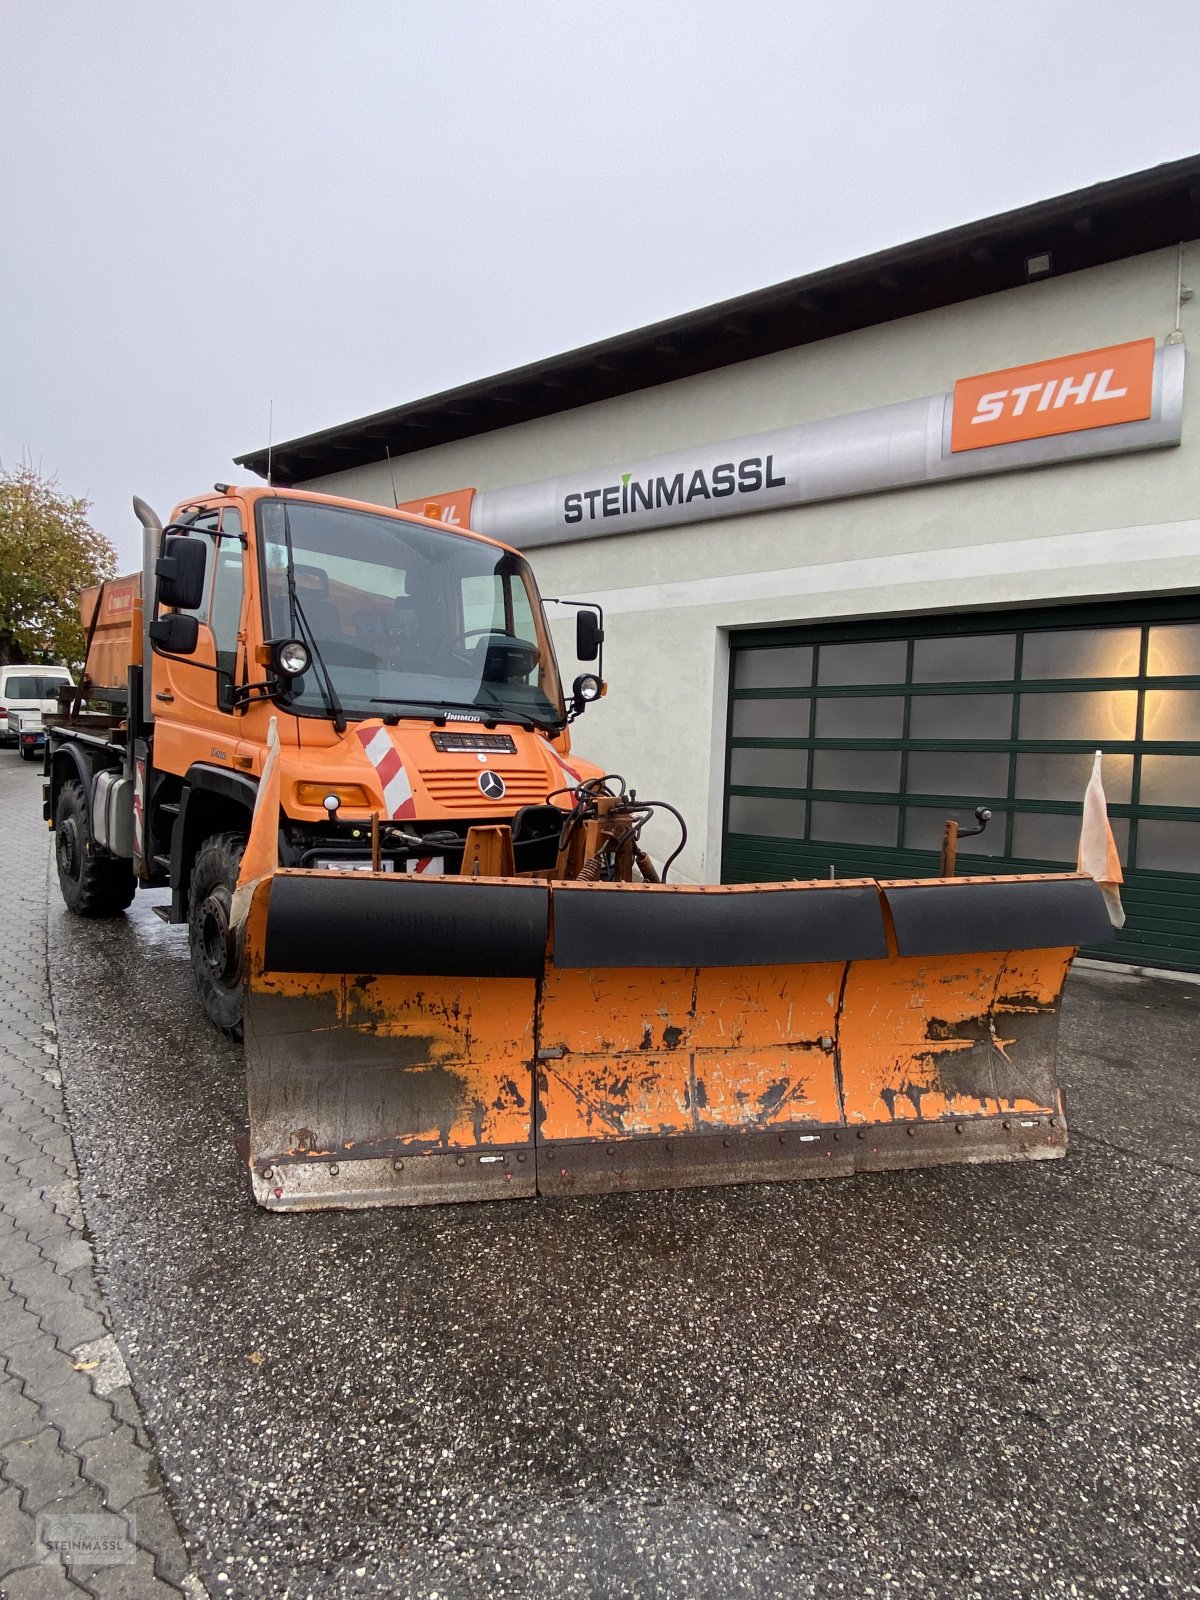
pixel 49 552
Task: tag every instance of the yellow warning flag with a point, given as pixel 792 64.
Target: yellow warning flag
pixel 261 855
pixel 1097 847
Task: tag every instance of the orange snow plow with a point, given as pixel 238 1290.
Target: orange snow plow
pixel 413 1040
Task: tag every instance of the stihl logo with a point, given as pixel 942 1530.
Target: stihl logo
pixel 452 508
pixel 1095 386
pixel 1091 390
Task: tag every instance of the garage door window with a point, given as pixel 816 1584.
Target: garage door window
pixel 850 747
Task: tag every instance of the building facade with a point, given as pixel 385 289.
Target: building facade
pixel 914 535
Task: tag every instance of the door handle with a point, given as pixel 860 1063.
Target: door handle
pixel 164 694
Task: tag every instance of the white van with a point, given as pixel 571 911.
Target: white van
pixel 28 688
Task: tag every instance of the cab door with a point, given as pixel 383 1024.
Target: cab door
pixel 193 694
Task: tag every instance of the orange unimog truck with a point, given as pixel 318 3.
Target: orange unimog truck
pixel 459 974
pixel 412 679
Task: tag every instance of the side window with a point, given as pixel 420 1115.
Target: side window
pixel 220 533
pixel 204 523
pixel 225 615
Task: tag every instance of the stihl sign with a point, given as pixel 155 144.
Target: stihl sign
pixel 452 508
pixel 1091 390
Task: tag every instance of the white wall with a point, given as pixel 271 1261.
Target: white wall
pixel 1118 526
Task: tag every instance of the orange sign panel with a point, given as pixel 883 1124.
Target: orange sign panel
pixel 1070 394
pixel 453 507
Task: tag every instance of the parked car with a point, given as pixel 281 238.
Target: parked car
pixel 28 688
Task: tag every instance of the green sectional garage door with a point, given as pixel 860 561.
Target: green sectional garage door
pixel 850 745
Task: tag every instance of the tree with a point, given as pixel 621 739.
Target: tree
pixel 49 552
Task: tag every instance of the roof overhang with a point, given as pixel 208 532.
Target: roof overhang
pixel 1107 222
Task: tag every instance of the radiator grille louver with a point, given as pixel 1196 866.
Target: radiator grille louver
pixel 460 791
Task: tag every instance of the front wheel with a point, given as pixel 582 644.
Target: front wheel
pixel 92 886
pixel 216 950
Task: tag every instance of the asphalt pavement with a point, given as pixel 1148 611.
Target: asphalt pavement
pixel 966 1381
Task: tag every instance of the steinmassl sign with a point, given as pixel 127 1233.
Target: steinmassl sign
pixel 749 476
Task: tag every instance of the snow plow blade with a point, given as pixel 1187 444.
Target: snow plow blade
pixel 413 1041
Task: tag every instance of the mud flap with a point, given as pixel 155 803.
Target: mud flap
pixel 416 1041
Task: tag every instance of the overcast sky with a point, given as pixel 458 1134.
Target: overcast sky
pixel 211 205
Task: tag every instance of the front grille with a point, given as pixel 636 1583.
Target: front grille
pixel 460 791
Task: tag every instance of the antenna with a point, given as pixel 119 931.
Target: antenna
pixel 392 475
pixel 270 437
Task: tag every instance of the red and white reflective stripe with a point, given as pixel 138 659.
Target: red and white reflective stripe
pixel 428 866
pixel 573 779
pixel 139 790
pixel 385 758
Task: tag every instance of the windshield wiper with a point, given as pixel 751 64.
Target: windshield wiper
pixel 488 715
pixel 332 704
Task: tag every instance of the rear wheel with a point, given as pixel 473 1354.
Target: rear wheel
pixel 92 886
pixel 216 950
pixel 28 751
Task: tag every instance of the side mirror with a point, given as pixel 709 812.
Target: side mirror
pixel 176 633
pixel 589 635
pixel 180 570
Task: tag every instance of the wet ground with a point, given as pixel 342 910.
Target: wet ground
pixel 965 1381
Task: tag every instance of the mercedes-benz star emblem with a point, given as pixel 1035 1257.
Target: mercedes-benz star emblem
pixel 492 785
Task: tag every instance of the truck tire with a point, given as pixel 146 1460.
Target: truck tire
pixel 216 951
pixel 92 886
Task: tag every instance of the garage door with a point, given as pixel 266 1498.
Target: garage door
pixel 849 747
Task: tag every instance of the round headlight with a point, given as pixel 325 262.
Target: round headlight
pixel 588 686
pixel 293 658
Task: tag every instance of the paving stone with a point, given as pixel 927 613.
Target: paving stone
pixel 17 1547
pixel 130 1581
pixel 48 1372
pixel 17 1325
pixel 37 1219
pixel 46 1581
pixel 70 1321
pixel 119 1468
pixel 52 1318
pixel 18 1413
pixel 19 1253
pixel 41 1469
pixel 157 1532
pixel 125 1409
pixel 84 1418
pixel 68 1253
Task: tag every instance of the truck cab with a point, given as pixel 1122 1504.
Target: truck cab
pixel 410 676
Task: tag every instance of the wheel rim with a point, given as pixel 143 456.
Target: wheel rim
pixel 67 848
pixel 218 942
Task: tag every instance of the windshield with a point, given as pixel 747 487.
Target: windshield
pixel 407 619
